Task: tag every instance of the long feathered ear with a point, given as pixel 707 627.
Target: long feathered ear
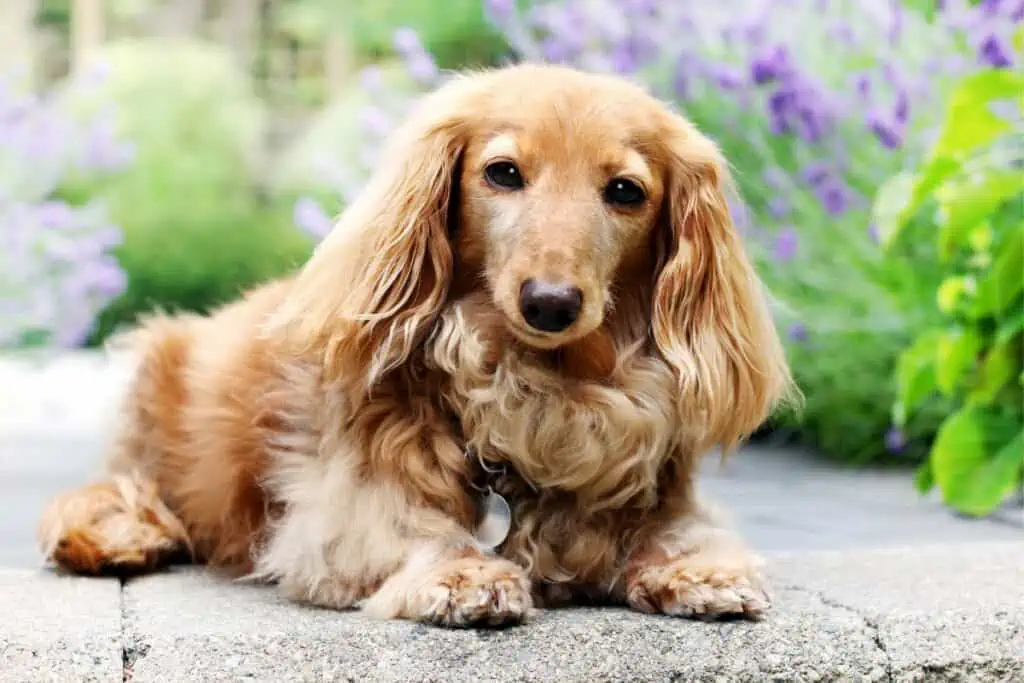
pixel 711 319
pixel 378 280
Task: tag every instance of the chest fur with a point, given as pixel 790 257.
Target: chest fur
pixel 604 441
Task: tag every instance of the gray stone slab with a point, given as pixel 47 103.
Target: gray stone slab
pixel 189 626
pixel 953 613
pixel 56 628
pixel 942 613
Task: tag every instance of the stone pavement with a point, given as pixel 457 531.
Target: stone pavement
pixel 929 613
pixel 872 582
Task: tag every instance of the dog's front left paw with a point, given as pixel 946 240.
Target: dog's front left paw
pixel 692 587
pixel 474 591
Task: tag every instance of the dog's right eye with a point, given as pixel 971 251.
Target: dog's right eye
pixel 505 175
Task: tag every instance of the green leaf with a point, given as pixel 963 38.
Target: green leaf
pixel 1010 327
pixel 966 202
pixel 999 367
pixel 1005 281
pixel 961 458
pixel 892 206
pixel 934 173
pixel 969 122
pixel 955 355
pixel 991 483
pixel 916 373
pixel 924 478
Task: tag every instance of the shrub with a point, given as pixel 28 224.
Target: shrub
pixel 456 36
pixel 57 268
pixel 197 230
pixel 812 126
pixel 968 197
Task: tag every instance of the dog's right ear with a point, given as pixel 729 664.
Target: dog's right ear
pixel 380 277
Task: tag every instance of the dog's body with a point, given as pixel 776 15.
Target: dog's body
pixel 556 296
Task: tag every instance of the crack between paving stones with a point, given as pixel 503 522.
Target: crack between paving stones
pixel 126 655
pixel 871 624
pixel 132 649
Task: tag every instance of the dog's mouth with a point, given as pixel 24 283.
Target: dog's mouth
pixel 544 341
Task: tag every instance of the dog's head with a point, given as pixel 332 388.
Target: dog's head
pixel 551 190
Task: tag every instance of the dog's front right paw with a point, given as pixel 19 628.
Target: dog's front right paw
pixel 473 591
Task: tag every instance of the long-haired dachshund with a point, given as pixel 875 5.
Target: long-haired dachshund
pixel 486 392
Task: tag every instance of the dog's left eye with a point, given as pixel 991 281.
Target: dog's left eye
pixel 623 192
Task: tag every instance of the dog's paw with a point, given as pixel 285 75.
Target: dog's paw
pixel 688 587
pixel 115 527
pixel 474 591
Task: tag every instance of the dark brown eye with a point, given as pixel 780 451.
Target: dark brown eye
pixel 505 175
pixel 623 192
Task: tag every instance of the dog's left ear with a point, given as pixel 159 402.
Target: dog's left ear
pixel 711 319
pixel 378 281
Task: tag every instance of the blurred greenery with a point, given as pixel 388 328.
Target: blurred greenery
pixel 455 34
pixel 197 228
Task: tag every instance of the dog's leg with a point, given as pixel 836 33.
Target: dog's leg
pixel 115 527
pixel 345 539
pixel 696 567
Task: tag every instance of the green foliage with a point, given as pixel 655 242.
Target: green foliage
pixel 970 190
pixel 197 231
pixel 456 36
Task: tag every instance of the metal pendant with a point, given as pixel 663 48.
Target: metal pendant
pixel 497 520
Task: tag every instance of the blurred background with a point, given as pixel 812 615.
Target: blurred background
pixel 168 154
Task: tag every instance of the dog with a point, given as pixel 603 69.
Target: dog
pixel 484 394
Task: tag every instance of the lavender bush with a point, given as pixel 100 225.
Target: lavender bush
pixel 57 270
pixel 815 102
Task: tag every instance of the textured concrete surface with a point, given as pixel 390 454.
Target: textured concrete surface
pixel 928 613
pixel 59 628
pixel 951 613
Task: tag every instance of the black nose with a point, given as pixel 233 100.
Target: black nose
pixel 549 307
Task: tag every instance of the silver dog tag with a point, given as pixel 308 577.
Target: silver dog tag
pixel 497 521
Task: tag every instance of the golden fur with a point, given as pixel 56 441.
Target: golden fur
pixel 314 434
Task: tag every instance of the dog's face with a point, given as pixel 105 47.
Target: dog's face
pixel 551 190
pixel 558 202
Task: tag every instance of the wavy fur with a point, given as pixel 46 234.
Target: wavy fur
pixel 314 433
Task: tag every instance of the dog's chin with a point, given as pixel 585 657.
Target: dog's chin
pixel 545 341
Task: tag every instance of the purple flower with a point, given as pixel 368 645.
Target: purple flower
pixel 901 110
pixel 993 53
pixel 407 41
pixel 816 173
pixel 422 68
pixel 873 233
pixel 834 197
pixel 778 207
pixel 624 59
pixel 556 51
pixel 786 244
pixel 862 84
pixel 308 215
pixel 797 332
pixel 770 66
pixel 887 132
pixel 727 77
pixel 500 10
pixel 374 121
pixel 895 440
pixel 371 78
pixel 681 78
pixel 55 214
